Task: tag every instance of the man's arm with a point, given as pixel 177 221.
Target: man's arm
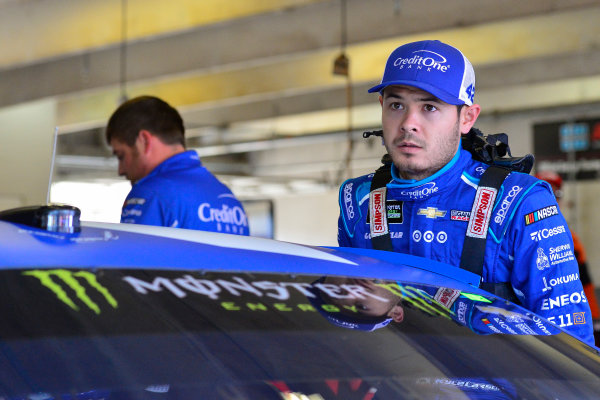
pixel 350 211
pixel 143 208
pixel 545 274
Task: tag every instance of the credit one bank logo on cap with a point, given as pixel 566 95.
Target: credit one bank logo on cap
pixel 435 67
pixel 429 59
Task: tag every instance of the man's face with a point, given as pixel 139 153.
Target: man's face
pixel 131 163
pixel 421 133
pixel 366 297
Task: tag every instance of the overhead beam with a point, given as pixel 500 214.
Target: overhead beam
pixel 487 46
pixel 196 46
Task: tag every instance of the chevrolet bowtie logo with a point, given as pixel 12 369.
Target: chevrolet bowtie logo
pixel 431 212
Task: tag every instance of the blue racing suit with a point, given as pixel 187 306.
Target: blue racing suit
pixel 529 244
pixel 182 193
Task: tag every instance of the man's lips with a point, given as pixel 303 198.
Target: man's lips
pixel 408 147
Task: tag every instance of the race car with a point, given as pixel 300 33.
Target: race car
pixel 122 311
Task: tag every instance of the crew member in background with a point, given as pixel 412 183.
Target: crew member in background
pixel 170 186
pixel 556 182
pixel 433 197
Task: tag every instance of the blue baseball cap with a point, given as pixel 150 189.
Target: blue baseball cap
pixel 434 67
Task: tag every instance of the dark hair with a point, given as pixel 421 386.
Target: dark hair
pixel 149 113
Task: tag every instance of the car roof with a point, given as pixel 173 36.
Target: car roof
pixel 107 245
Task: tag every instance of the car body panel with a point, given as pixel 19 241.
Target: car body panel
pixel 118 245
pixel 118 311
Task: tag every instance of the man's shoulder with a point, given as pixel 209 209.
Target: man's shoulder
pixel 355 189
pixel 356 181
pixel 521 192
pixel 529 185
pixel 353 194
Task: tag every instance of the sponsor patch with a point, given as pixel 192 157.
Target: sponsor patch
pixel 393 235
pixel 135 201
pixel 461 312
pixel 457 215
pixel 541 214
pixel 545 233
pixel 505 205
pixel 579 318
pixel 480 214
pixel 563 300
pixel 446 296
pixel 549 284
pixel 227 215
pixel 431 212
pixel 420 192
pixel 560 254
pixel 82 283
pixel 542 259
pixel 378 217
pixel 395 213
pixel 429 236
pixel 565 320
pixel 348 200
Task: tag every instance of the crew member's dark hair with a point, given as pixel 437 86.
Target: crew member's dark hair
pixel 149 113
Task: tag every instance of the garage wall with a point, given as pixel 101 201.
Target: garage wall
pixel 309 219
pixel 26 138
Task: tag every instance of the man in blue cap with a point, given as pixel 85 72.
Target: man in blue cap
pixel 435 200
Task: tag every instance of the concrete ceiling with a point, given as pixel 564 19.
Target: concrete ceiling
pixel 254 79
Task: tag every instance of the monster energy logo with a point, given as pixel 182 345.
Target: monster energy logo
pixel 73 280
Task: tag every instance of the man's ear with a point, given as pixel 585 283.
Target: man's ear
pixel 145 139
pixel 396 313
pixel 468 116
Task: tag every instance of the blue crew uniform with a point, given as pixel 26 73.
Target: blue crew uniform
pixel 181 192
pixel 529 244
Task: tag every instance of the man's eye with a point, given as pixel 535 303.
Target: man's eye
pixel 429 107
pixel 396 106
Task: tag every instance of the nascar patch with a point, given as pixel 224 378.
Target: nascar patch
pixel 541 214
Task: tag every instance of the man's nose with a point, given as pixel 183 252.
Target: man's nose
pixel 410 120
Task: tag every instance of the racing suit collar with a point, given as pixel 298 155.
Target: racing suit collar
pixel 445 178
pixel 183 160
pixel 397 180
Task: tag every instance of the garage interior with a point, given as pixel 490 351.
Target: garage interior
pixel 273 92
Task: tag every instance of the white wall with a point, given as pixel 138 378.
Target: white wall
pixel 26 138
pixel 308 219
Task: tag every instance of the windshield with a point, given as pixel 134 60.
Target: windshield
pixel 182 334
